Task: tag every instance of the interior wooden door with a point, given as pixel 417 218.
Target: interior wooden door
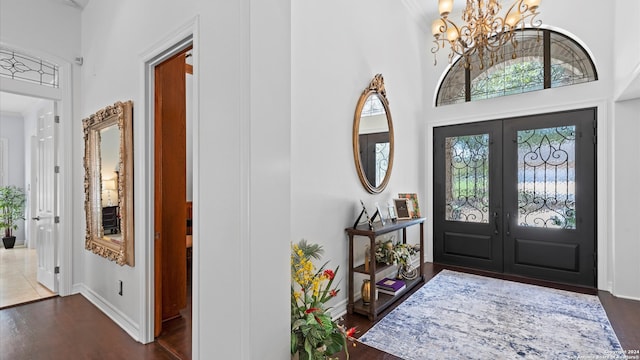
pixel 170 189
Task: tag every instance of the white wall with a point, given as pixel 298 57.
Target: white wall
pixel 12 128
pixel 627 56
pixel 41 25
pixel 337 48
pixel 626 150
pixel 241 162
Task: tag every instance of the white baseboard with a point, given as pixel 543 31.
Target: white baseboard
pixel 626 297
pixel 111 311
pixel 339 309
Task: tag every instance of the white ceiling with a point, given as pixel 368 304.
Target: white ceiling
pixel 80 4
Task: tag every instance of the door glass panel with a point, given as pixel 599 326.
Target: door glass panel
pixel 382 161
pixel 467 178
pixel 546 177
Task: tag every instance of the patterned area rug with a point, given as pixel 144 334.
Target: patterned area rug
pixel 464 316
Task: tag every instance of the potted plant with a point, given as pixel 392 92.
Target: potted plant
pixel 314 334
pixel 12 200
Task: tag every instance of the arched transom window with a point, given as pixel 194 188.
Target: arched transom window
pixel 543 59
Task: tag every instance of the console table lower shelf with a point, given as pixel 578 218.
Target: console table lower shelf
pixel 383 302
pixel 371 232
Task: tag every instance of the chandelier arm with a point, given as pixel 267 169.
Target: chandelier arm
pixel 484 32
pixel 518 6
pixel 535 23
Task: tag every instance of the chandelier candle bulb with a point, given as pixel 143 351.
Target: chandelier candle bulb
pixel 513 19
pixel 437 27
pixel 445 7
pixel 452 34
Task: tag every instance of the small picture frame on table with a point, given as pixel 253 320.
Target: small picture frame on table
pixel 414 208
pixel 366 214
pixel 402 209
pixel 391 209
pixel 378 213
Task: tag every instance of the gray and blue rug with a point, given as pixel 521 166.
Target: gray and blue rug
pixel 464 316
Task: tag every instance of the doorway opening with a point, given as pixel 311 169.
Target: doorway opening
pixel 173 200
pixel 518 196
pixel 27 136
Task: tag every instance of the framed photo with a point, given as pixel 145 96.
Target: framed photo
pixel 367 217
pixel 402 208
pixel 392 212
pixel 414 209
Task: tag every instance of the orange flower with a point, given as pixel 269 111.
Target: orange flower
pixel 333 292
pixel 310 310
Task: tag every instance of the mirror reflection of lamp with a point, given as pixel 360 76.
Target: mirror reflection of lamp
pixel 108 186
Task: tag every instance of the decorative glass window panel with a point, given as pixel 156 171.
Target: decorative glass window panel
pixel 546 177
pixel 467 178
pixel 569 64
pixel 451 90
pixel 511 76
pixel 382 161
pixel 27 68
pixel 373 106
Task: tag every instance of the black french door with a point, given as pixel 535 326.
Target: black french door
pixel 518 196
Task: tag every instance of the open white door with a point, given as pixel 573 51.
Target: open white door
pixel 46 199
pixel 33 193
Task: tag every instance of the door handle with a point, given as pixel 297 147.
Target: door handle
pixel 37 218
pixel 508 225
pixel 495 223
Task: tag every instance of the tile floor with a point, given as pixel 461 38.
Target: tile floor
pixel 18 284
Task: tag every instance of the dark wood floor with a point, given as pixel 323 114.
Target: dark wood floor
pixel 176 333
pixel 72 328
pixel 68 328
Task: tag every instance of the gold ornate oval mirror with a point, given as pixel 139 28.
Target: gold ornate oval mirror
pixel 373 137
pixel 108 182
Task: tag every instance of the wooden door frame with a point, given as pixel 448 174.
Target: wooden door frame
pixel 179 39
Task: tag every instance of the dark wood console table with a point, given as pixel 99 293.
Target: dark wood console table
pixel 375 307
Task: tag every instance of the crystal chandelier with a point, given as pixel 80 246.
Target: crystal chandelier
pixel 484 32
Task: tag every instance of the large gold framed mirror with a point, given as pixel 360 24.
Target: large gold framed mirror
pixel 108 182
pixel 373 137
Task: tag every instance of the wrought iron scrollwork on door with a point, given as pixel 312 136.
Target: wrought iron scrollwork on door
pixel 546 177
pixel 467 178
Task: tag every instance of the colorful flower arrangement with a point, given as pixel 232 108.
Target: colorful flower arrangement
pixel 314 334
